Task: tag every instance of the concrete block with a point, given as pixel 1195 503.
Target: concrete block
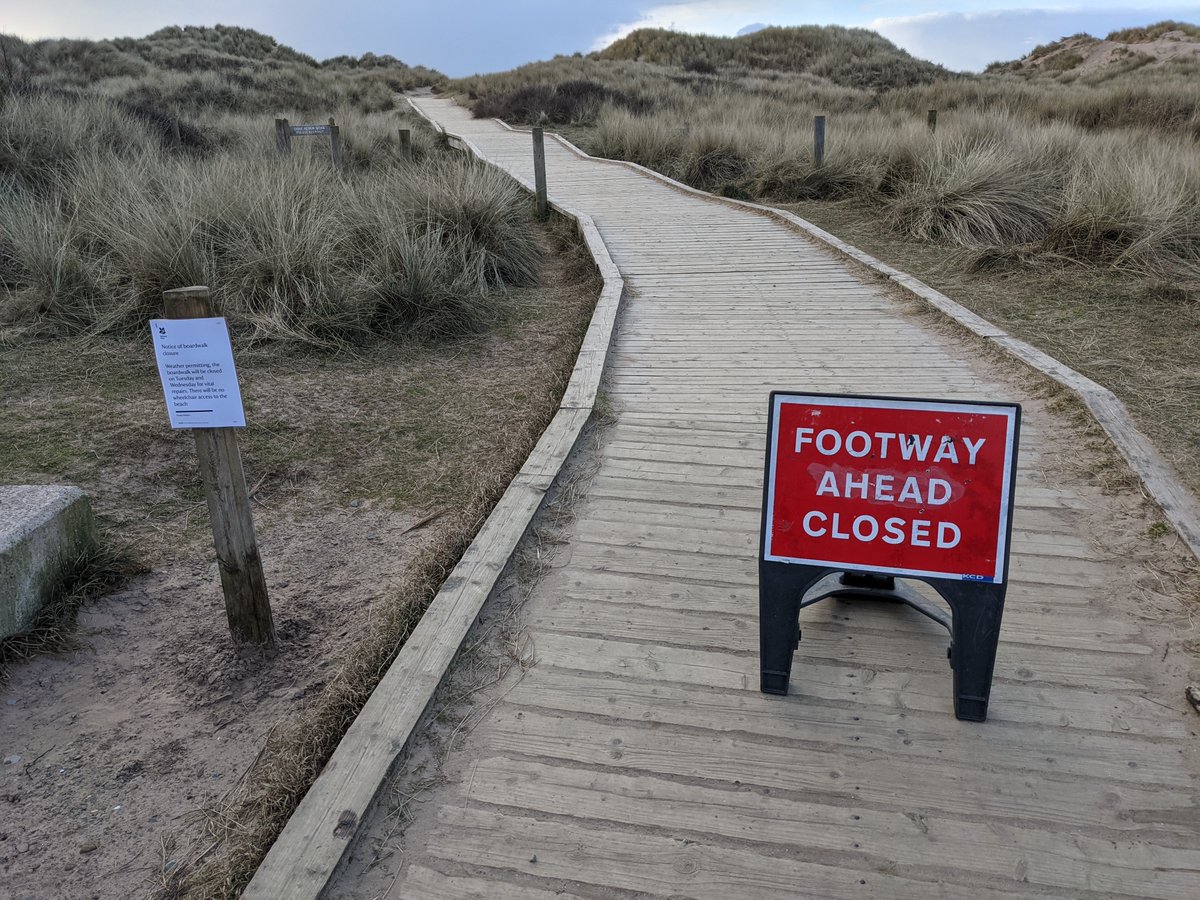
pixel 44 532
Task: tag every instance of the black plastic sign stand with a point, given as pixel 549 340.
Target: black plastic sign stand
pixel 974 621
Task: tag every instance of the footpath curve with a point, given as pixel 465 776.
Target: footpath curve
pixel 637 758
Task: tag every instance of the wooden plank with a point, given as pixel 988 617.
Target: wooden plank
pixel 849 777
pixel 619 859
pixel 422 883
pixel 1098 666
pixel 850 686
pixel 555 445
pixel 920 846
pixel 898 734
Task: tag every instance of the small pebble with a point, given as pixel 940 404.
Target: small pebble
pixel 12 760
pixel 356 503
pixel 88 847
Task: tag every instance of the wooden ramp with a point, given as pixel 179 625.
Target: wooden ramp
pixel 637 758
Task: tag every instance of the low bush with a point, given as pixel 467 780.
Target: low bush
pixel 576 102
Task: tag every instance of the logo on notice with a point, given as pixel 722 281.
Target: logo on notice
pixel 162 329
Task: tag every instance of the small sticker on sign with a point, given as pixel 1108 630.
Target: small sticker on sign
pixel 195 363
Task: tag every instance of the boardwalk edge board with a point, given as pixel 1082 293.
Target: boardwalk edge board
pixel 323 827
pixel 1177 503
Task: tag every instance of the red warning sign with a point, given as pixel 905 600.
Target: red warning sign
pixel 906 487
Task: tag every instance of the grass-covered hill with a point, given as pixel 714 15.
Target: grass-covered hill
pixel 189 69
pixel 132 166
pixel 1102 169
pixel 852 57
pixel 1170 45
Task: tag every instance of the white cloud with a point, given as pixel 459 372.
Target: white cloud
pixel 724 17
pixel 970 40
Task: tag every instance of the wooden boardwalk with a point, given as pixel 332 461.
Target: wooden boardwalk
pixel 637 758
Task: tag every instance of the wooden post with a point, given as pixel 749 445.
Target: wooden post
pixel 931 118
pixel 283 136
pixel 335 144
pixel 819 140
pixel 406 144
pixel 175 133
pixel 242 580
pixel 539 170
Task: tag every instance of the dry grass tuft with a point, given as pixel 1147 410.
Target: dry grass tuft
pixel 1104 171
pixel 92 575
pixel 97 218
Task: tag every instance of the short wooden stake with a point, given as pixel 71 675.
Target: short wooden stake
pixel 242 580
pixel 283 136
pixel 406 144
pixel 175 133
pixel 335 144
pixel 818 140
pixel 539 170
pixel 931 119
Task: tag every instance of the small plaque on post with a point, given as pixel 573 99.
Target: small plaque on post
pixel 195 363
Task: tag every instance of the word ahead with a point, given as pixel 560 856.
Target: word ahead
pixel 904 487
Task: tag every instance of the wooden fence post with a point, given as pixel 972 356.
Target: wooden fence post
pixel 283 136
pixel 819 140
pixel 931 119
pixel 242 580
pixel 406 144
pixel 175 133
pixel 335 144
pixel 539 170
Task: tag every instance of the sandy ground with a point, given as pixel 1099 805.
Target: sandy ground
pixel 112 755
pixel 112 749
pixel 1100 54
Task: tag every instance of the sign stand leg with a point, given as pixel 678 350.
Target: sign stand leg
pixel 974 638
pixel 974 626
pixel 780 590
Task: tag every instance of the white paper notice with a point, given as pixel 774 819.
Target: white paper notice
pixel 195 363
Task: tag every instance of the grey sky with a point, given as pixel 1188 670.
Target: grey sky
pixel 464 36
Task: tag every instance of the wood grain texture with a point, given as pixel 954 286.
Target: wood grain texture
pixel 638 758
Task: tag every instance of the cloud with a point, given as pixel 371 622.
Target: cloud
pixel 708 17
pixel 970 40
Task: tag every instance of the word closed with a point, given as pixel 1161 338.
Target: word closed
pixel 905 487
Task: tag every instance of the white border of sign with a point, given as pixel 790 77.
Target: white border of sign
pixel 1009 412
